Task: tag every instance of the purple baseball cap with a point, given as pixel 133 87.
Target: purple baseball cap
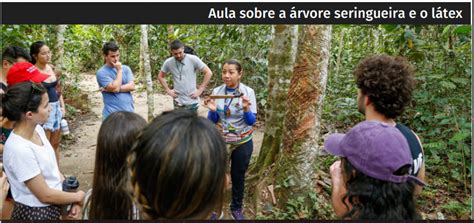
pixel 374 148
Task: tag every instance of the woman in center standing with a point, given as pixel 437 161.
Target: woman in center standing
pixel 235 118
pixel 41 58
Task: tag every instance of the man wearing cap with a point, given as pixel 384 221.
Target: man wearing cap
pixel 183 67
pixel 10 56
pixel 385 86
pixel 115 81
pixel 378 151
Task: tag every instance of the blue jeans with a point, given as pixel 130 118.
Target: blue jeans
pixel 54 121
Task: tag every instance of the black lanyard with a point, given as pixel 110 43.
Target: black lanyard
pixel 227 107
pixel 179 70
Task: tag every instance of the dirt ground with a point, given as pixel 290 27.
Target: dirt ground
pixel 78 152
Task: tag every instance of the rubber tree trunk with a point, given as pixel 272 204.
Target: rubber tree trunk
pixel 295 168
pixel 147 71
pixel 281 59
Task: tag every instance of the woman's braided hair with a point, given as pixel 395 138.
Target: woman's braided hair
pixel 138 198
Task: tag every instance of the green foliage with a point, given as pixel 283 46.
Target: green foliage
pixel 459 209
pixel 440 112
pixel 25 35
pixel 307 207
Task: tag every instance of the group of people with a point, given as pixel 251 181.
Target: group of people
pixel 23 104
pixel 176 166
pixel 31 165
pixel 234 116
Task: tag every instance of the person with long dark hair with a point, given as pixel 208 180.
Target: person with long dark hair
pixel 235 116
pixel 41 58
pixel 178 167
pixel 109 197
pixel 29 159
pixel 372 180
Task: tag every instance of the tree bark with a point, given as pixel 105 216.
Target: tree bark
pixel 170 30
pixel 147 71
pixel 302 119
pixel 59 48
pixel 339 54
pixel 281 59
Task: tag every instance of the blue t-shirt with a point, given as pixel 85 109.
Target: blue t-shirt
pixel 113 102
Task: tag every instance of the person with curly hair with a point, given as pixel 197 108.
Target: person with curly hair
pixel 385 87
pixel 371 181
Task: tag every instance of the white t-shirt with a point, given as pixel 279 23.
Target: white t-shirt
pixel 24 160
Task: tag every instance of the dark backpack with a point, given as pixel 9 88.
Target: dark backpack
pixel 189 50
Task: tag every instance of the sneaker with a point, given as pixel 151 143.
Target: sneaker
pixel 237 214
pixel 215 217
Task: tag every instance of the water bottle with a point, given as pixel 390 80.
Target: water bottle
pixel 64 127
pixel 70 184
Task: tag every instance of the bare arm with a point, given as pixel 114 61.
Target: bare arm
pixel 161 79
pixel 207 77
pixel 3 187
pixel 128 87
pixel 338 189
pixel 63 106
pixel 421 176
pixel 40 189
pixel 421 173
pixel 117 83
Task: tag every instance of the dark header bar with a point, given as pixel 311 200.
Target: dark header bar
pixel 237 13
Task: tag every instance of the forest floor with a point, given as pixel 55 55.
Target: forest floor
pixel 78 149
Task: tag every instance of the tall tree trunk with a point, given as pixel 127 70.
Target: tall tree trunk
pixel 147 69
pixel 376 39
pixel 59 48
pixel 339 54
pixel 302 119
pixel 170 30
pixel 281 59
